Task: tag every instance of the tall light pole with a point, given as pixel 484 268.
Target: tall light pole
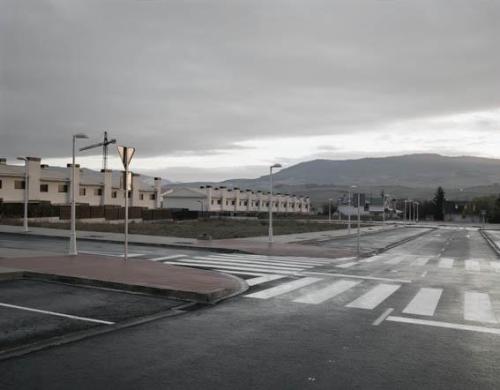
pixel 271 200
pixel 26 192
pixel 359 224
pixel 349 211
pixel 72 246
pixel 330 210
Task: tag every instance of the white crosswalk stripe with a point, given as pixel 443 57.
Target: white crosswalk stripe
pixel 425 302
pixel 283 288
pixel 207 260
pixel 320 295
pixel 495 265
pixel 395 260
pixel 446 262
pixel 130 255
pixel 375 296
pixel 420 262
pixel 472 265
pixel 171 257
pixel 241 268
pixel 264 279
pixel 347 265
pixel 477 307
pixel 252 265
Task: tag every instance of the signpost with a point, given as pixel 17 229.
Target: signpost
pixel 126 154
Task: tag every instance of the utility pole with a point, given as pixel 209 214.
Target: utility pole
pixel 330 210
pixel 26 192
pixel 126 154
pixel 359 224
pixel 271 200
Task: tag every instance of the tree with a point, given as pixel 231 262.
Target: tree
pixel 438 202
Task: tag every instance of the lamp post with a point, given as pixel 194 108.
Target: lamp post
pixel 72 247
pixel 359 224
pixel 271 200
pixel 201 207
pixel 349 211
pixel 26 192
pixel 330 210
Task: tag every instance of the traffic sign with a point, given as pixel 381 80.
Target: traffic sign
pixel 126 154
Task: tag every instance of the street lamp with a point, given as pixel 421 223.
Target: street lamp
pixel 201 207
pixel 349 208
pixel 72 247
pixel 26 192
pixel 330 210
pixel 271 200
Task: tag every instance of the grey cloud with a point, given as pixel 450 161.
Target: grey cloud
pixel 172 76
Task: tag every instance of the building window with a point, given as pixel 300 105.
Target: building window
pixel 62 188
pixel 233 203
pixel 152 197
pixel 141 196
pixel 129 194
pixel 0 183
pixel 114 194
pixel 44 188
pixel 213 202
pixel 219 201
pixel 83 191
pixel 98 191
pixel 19 185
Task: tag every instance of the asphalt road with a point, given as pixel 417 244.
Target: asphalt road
pixel 424 315
pixel 373 241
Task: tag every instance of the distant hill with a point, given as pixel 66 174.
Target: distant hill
pixel 416 171
pixel 413 176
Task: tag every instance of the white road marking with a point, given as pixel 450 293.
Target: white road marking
pixel 283 288
pixel 318 296
pixel 53 313
pixel 384 315
pixel 282 259
pixel 264 279
pixel 472 265
pixel 371 259
pixel 228 267
pixel 356 277
pixel 495 265
pixel 112 254
pixel 198 260
pixel 425 302
pixel 346 265
pixel 448 325
pixel 420 262
pixel 395 260
pixel 446 262
pixel 171 257
pixel 375 296
pixel 260 262
pixel 477 307
pixel 239 272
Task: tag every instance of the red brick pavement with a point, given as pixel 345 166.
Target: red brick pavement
pixel 134 274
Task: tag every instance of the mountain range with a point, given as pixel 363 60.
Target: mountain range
pixel 415 175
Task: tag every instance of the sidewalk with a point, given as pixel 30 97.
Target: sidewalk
pixel 133 275
pixel 283 245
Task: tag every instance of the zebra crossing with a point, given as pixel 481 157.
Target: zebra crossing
pixel 364 295
pixel 251 265
pixel 442 263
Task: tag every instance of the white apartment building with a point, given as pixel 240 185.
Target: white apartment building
pixel 53 184
pixel 233 200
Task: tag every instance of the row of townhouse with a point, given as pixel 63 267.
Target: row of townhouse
pixel 53 185
pixel 233 200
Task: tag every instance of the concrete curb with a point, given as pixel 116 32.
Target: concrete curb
pixel 209 298
pixel 490 242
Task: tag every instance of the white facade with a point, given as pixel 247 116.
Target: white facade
pixel 233 200
pixel 52 184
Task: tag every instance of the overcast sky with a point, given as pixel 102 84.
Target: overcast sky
pixel 211 90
